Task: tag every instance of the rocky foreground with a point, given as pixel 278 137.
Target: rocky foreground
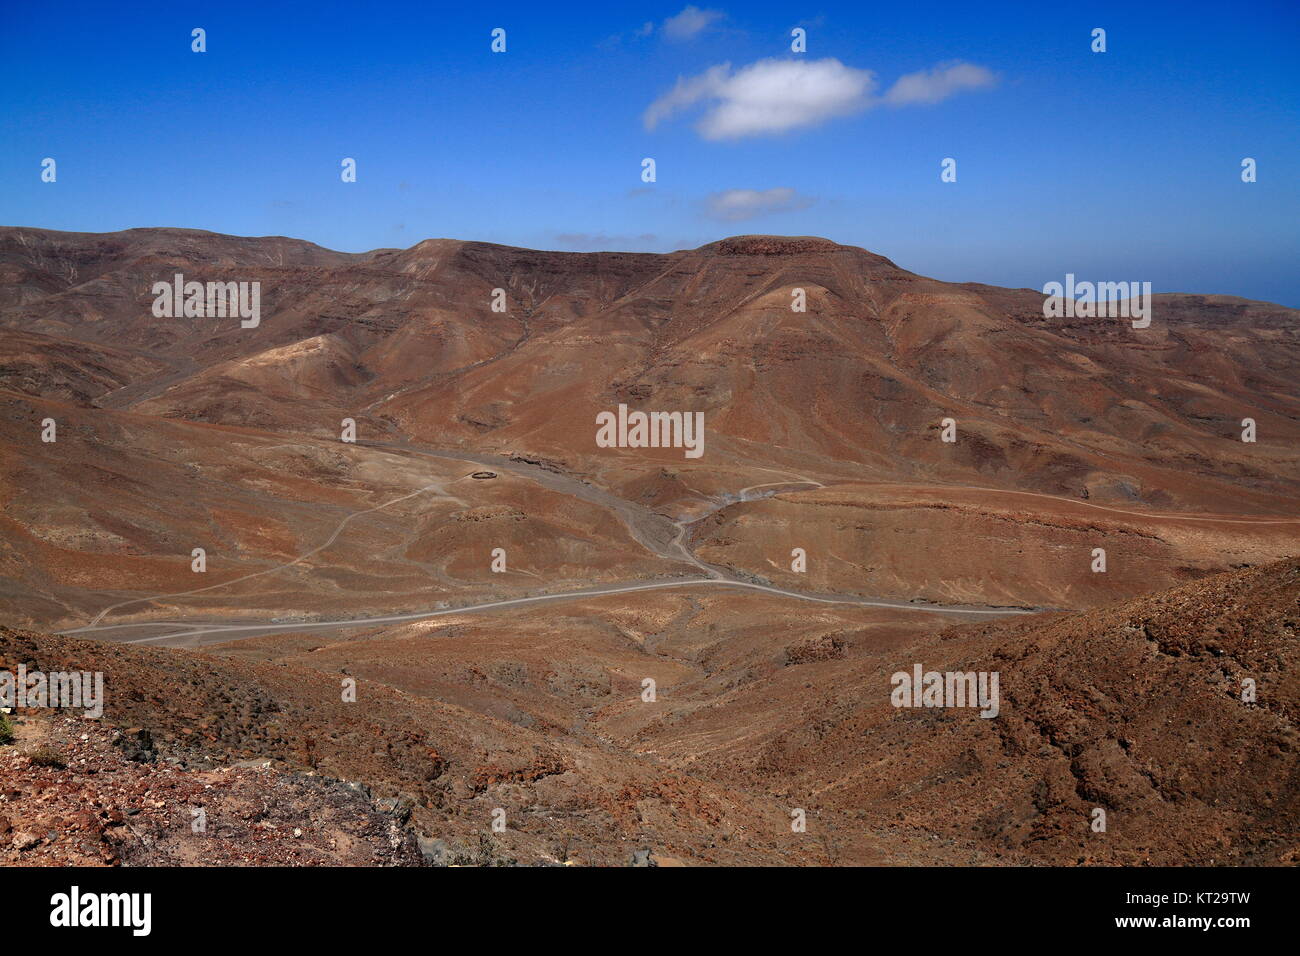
pixel 77 793
pixel 1136 709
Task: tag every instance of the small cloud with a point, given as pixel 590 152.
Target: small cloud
pixel 776 96
pixel 687 25
pixel 690 23
pixel 770 96
pixel 734 205
pixel 601 242
pixel 931 86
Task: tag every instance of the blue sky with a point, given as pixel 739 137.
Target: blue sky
pixel 1113 166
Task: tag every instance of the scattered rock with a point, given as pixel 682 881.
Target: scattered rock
pixel 435 851
pixel 137 745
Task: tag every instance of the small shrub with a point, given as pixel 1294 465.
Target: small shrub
pixel 486 854
pixel 47 757
pixel 6 730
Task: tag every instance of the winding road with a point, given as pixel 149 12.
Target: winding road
pixel 657 533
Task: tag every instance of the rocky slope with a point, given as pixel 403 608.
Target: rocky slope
pixel 1135 709
pixel 477 480
pixel 75 793
pixel 860 380
pixel 823 428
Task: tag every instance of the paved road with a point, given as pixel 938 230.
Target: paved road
pixel 189 633
pixel 657 533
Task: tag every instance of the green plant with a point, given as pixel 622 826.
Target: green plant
pixel 6 730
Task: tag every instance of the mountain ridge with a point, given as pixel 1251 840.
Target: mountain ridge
pixel 852 394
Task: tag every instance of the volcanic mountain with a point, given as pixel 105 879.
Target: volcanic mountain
pixel 824 428
pixel 409 341
pixel 392 480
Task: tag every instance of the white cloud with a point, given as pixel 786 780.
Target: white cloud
pixel 770 96
pixel 733 205
pixel 687 25
pixel 776 96
pixel 931 86
pixel 690 23
pixel 689 90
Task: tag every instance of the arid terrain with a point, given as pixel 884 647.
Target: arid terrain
pixel 503 589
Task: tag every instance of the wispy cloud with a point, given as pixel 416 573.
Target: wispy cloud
pixel 931 86
pixel 734 205
pixel 599 241
pixel 690 23
pixel 777 96
pixel 687 25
